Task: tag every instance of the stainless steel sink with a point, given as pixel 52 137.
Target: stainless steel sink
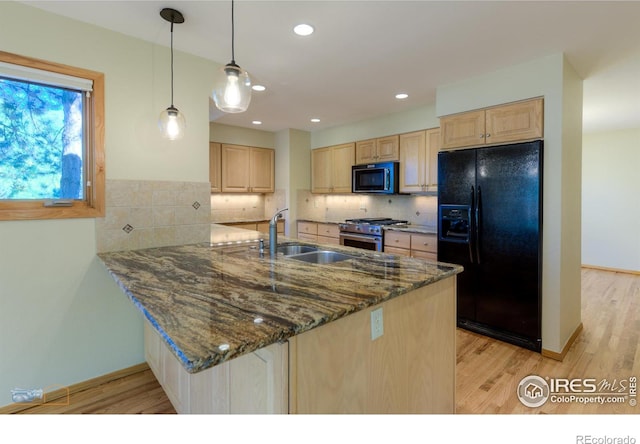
pixel 321 257
pixel 289 250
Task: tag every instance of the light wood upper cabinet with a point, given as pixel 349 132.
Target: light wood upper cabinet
pixel 517 121
pixel 262 167
pixel 419 161
pixel 215 169
pixel 247 169
pixel 466 129
pixel 383 149
pixel 331 168
pixel 512 122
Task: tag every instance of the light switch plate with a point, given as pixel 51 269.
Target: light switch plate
pixel 377 324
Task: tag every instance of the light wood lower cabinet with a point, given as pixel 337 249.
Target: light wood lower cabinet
pixel 257 382
pixel 321 233
pixel 338 368
pixel 334 368
pixel 424 246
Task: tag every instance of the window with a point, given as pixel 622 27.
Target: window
pixel 51 140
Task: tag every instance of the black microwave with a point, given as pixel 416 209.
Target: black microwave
pixel 376 178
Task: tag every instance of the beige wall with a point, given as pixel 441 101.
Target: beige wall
pixel 552 78
pixel 610 203
pixel 62 318
pixel 397 123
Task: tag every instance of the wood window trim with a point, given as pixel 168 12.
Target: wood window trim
pixel 93 204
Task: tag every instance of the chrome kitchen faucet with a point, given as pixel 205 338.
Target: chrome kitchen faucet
pixel 273 232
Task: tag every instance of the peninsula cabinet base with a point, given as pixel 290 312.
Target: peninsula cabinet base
pixel 251 384
pixel 334 368
pixel 337 368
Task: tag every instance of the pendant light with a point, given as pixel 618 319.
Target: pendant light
pixel 232 88
pixel 172 122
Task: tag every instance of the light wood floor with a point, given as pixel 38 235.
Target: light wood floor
pixel 488 371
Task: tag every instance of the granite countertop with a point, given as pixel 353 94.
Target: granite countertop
pixel 214 301
pixel 421 229
pixel 332 222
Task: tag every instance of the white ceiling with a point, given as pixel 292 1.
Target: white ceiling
pixel 363 52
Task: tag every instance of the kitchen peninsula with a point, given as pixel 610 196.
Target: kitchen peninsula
pixel 232 330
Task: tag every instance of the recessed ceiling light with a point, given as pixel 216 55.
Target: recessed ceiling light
pixel 303 29
pixel 402 96
pixel 258 87
pixel 315 120
pixel 257 122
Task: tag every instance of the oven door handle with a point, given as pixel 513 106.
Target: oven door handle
pixel 371 239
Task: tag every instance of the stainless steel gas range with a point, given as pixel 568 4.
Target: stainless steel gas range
pixel 367 233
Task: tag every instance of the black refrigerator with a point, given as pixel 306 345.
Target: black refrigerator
pixel 490 222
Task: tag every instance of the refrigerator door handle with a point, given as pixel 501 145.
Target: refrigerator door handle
pixel 478 218
pixel 469 242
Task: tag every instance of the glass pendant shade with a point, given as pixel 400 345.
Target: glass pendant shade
pixel 172 123
pixel 232 89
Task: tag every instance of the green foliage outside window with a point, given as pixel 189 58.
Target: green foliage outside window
pixel 41 141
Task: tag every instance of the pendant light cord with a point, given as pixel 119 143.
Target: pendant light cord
pixel 172 64
pixel 233 53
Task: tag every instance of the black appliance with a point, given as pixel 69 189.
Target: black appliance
pixel 366 233
pixel 490 222
pixel 375 178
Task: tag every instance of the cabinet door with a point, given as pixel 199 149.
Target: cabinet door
pixel 258 381
pixel 342 160
pixel 461 130
pixel 397 239
pixel 261 168
pixel 431 168
pixel 388 149
pixel 215 171
pixel 329 234
pixel 517 121
pixel 308 228
pixel 412 162
pixel 424 242
pixel 321 170
pixel 235 169
pixel 175 380
pixel 365 151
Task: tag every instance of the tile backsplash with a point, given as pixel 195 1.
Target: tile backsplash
pixel 245 207
pixel 418 210
pixel 145 214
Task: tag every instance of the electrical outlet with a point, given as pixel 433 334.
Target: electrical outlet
pixel 377 324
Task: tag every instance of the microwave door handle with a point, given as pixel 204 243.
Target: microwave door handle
pixel 387 180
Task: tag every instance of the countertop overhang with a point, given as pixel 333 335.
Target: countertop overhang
pixel 214 301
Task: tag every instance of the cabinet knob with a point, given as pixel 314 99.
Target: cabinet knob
pixel 482 136
pixel 488 135
pixel 425 244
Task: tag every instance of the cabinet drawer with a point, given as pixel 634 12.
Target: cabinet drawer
pixel 307 228
pixel 398 251
pixel 309 237
pixel 424 255
pixel 397 239
pixel 328 240
pixel 424 242
pixel 329 230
